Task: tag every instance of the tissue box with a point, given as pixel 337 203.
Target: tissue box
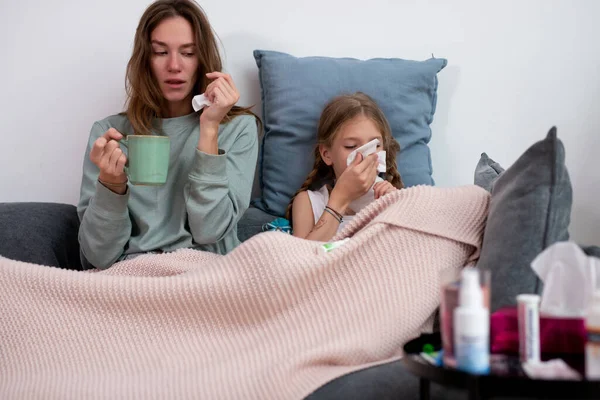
pixel 557 335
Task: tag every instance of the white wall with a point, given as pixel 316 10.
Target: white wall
pixel 515 69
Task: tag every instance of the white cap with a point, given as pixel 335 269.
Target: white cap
pixel 596 297
pixel 470 289
pixel 528 298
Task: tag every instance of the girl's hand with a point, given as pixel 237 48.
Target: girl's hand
pixel 223 94
pixel 355 181
pixel 383 188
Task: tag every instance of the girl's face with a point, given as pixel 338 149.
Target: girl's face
pixel 357 132
pixel 174 62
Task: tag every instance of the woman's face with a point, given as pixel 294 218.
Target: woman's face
pixel 174 61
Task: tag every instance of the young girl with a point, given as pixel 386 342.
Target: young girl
pixel 213 152
pixel 321 207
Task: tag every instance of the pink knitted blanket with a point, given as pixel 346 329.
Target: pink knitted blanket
pixel 274 319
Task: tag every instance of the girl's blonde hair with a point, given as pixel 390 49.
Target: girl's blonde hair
pixel 336 113
pixel 145 101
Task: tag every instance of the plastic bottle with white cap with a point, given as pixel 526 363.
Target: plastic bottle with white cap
pixel 472 326
pixel 529 327
pixel 592 346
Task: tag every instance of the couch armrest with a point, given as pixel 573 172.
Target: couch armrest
pixel 40 233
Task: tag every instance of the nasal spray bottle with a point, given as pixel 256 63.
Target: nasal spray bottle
pixel 471 326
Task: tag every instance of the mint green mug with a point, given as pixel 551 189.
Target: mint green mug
pixel 147 159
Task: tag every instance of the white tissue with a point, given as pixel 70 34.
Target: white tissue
pixel 200 101
pixel 569 277
pixel 550 370
pixel 366 150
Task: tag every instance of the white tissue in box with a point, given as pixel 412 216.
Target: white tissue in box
pixel 570 279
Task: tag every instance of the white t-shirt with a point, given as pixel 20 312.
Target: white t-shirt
pixel 318 201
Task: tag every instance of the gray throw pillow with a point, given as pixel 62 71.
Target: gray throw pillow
pixel 530 209
pixel 486 172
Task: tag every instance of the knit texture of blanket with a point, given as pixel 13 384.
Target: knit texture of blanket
pixel 274 319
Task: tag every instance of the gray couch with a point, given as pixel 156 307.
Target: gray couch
pixel 46 233
pixel 529 210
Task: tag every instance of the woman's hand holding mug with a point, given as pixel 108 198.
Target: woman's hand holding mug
pixel 109 158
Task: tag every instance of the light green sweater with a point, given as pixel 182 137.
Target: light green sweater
pixel 199 206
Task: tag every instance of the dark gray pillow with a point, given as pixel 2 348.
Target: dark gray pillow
pixel 592 251
pixel 486 172
pixel 530 209
pixel 40 233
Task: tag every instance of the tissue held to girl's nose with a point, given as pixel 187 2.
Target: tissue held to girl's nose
pixel 366 150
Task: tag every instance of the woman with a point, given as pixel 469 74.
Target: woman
pixel 212 157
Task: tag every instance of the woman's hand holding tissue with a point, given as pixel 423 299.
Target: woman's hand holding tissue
pixel 223 95
pixel 383 188
pixel 355 181
pixel 107 155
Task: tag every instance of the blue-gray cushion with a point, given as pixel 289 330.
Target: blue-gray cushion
pixel 530 209
pixel 295 91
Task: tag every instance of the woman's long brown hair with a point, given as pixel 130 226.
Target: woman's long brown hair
pixel 336 113
pixel 145 101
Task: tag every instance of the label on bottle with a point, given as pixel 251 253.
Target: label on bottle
pixel 529 331
pixel 472 354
